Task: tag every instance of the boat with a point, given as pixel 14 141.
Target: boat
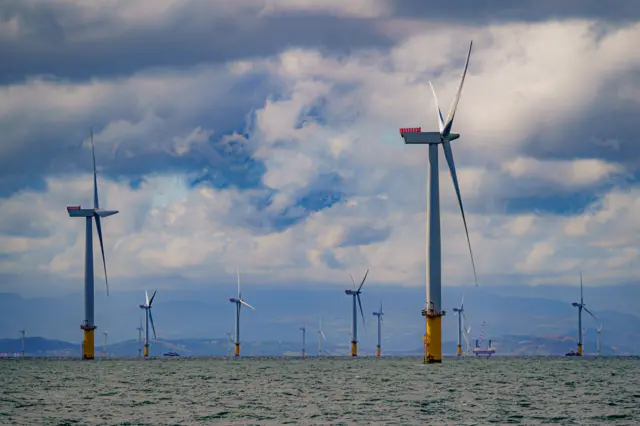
pixel 172 354
pixel 572 353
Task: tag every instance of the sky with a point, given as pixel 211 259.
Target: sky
pixel 263 134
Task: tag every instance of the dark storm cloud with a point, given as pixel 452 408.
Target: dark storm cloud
pixel 483 12
pixel 49 47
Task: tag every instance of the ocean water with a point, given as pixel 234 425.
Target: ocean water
pixel 277 391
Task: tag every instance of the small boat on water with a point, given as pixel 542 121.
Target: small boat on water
pixel 172 354
pixel 572 353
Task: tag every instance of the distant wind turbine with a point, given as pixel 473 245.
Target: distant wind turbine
pixel 379 315
pixel 239 302
pixel 580 307
pixel 460 312
pixel 433 310
pixel 321 337
pixel 467 341
pixel 140 339
pixel 105 333
pixel 598 337
pixel 22 333
pixel 355 293
pixel 584 337
pixel 304 339
pixel 88 345
pixel 230 342
pixel 148 319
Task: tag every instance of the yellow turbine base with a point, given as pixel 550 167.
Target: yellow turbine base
pixel 378 352
pixel 237 350
pixel 459 350
pixel 354 348
pixel 146 351
pixel 433 341
pixel 579 349
pixel 88 347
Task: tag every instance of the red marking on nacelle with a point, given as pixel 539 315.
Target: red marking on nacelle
pixel 73 207
pixel 410 130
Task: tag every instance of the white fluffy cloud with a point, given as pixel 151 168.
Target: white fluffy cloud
pixel 525 82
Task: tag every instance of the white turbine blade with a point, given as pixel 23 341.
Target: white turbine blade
pixel 581 299
pixel 454 105
pixel 352 280
pixel 146 297
pixel 462 303
pixel 105 213
pixel 152 297
pixel 440 119
pixel 104 261
pixel 364 323
pixel 322 334
pixel 153 327
pixel 247 305
pixel 96 203
pixel 590 313
pixel 238 274
pixel 448 153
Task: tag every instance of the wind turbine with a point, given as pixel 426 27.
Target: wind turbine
pixel 584 336
pixel 105 333
pixel 433 309
pixel 355 293
pixel 379 314
pixel 321 336
pixel 230 341
pixel 467 332
pixel 148 318
pixel 88 345
pixel 598 337
pixel 140 339
pixel 304 338
pixel 22 333
pixel 460 312
pixel 580 307
pixel 239 302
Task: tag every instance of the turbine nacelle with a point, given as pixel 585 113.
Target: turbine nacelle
pixel 576 304
pixel 352 292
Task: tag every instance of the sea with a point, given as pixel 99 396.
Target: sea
pixel 324 391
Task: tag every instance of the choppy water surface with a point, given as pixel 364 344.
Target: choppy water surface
pixel 326 391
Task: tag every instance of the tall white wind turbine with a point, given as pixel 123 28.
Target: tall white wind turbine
pixel 22 333
pixel 355 293
pixel 304 339
pixel 461 317
pixel 581 305
pixel 598 337
pixel 379 315
pixel 140 339
pixel 88 325
pixel 148 319
pixel 433 309
pixel 321 337
pixel 238 302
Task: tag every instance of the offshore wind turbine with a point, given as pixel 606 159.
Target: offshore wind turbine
pixel 140 339
pixel 22 333
pixel 433 309
pixel 88 344
pixel 239 302
pixel 304 338
pixel 581 306
pixel 460 312
pixel 148 319
pixel 379 315
pixel 598 331
pixel 321 337
pixel 104 350
pixel 355 293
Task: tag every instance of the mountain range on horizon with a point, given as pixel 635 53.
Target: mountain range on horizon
pixel 529 312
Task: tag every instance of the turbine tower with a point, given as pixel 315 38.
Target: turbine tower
pixel 321 337
pixel 140 339
pixel 104 350
pixel 355 293
pixel 379 314
pixel 580 307
pixel 239 302
pixel 88 345
pixel 22 333
pixel 230 342
pixel 460 312
pixel 304 339
pixel 148 318
pixel 433 309
pixel 598 331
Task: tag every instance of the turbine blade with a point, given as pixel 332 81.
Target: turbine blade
pixel 96 204
pixel 590 313
pixel 448 153
pixel 363 279
pixel 440 119
pixel 462 303
pixel 581 299
pixel 238 274
pixel 364 323
pixel 454 105
pixel 323 336
pixel 104 261
pixel 146 297
pixel 352 280
pixel 247 305
pixel 152 297
pixel 153 327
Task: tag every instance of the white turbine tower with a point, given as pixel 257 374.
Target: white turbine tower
pixel 460 312
pixel 22 333
pixel 238 302
pixel 304 339
pixel 584 336
pixel 148 319
pixel 140 329
pixel 581 305
pixel 321 337
pixel 104 349
pixel 598 337
pixel 433 309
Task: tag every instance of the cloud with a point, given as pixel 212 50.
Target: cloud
pixel 288 162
